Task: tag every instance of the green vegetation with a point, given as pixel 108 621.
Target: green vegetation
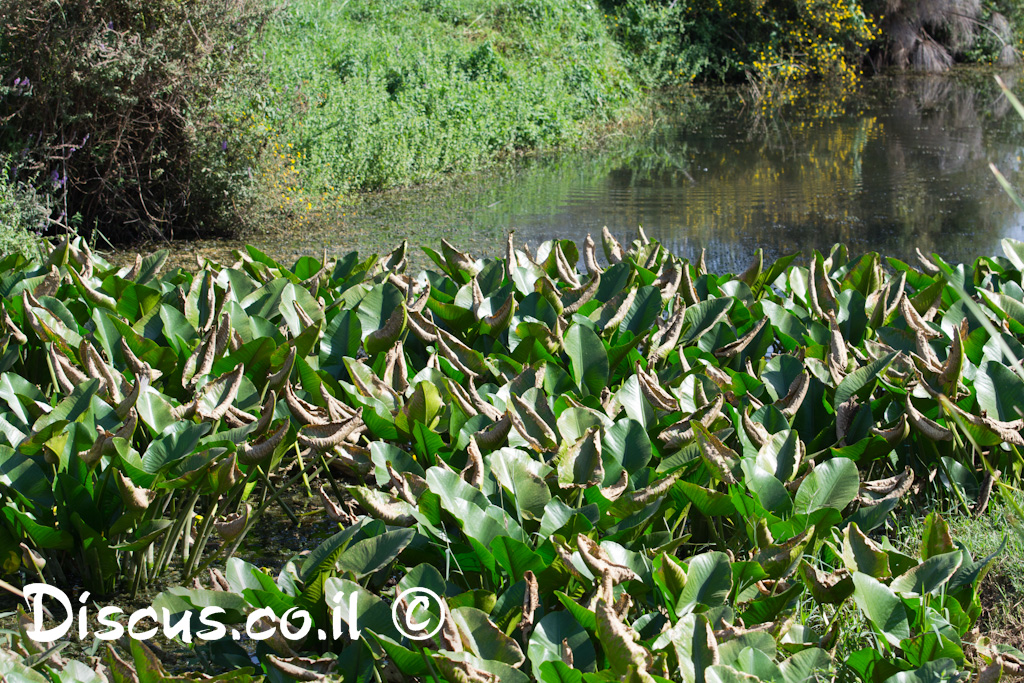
pixel 775 41
pixel 368 96
pixel 639 470
pixel 116 110
pixel 403 91
pixel 155 120
pixel 23 214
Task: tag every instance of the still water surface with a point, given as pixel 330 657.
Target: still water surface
pixel 902 164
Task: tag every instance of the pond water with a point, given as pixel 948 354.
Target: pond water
pixel 902 163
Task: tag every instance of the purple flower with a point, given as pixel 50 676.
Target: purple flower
pixel 224 145
pixel 17 82
pixel 57 179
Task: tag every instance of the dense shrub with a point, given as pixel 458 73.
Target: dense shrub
pixel 371 95
pixel 118 104
pixel 777 40
pixel 932 35
pixel 728 39
pixel 23 214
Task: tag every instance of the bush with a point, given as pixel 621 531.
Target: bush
pixel 23 215
pixel 778 40
pixel 391 93
pixel 731 40
pixel 120 104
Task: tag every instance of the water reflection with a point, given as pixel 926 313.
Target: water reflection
pixel 903 164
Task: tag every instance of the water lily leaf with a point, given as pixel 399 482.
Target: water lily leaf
pixel 630 397
pixel 1014 250
pixel 625 446
pixel 753 661
pixel 644 311
pixel 517 558
pixel 711 503
pixel 499 670
pixel 931 646
pixel 371 613
pixel 769 491
pixel 278 299
pixel 520 476
pixel 781 454
pixel 936 539
pixel 861 554
pixel 863 377
pixel 382 453
pixel 424 407
pixel 804 666
pixel 555 671
pixel 872 664
pixel 21 475
pixel 342 337
pixel 719 458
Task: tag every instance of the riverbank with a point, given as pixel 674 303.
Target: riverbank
pixel 367 97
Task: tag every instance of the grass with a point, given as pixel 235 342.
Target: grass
pixel 373 95
pixel 1002 590
pixel 23 214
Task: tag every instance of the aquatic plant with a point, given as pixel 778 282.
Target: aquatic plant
pixel 624 468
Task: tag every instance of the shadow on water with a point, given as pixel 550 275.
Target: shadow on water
pixel 902 163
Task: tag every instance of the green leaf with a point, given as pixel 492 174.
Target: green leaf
pixel 862 377
pixel 371 613
pixel 377 306
pixel 860 554
pixel 546 643
pixel 708 582
pixel 936 539
pixel 483 638
pixel 557 672
pixel 644 311
pixel 179 441
pixel 804 666
pixel 586 618
pixel 342 337
pixel 930 576
pixel 699 319
pixel 833 484
pixel 588 359
pixel 780 455
pixel 1000 392
pixel 882 607
pixel 939 671
pixel 373 554
pixel 710 502
pixel 516 558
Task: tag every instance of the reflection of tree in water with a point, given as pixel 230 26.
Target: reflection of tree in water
pixel 911 172
pixel 903 164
